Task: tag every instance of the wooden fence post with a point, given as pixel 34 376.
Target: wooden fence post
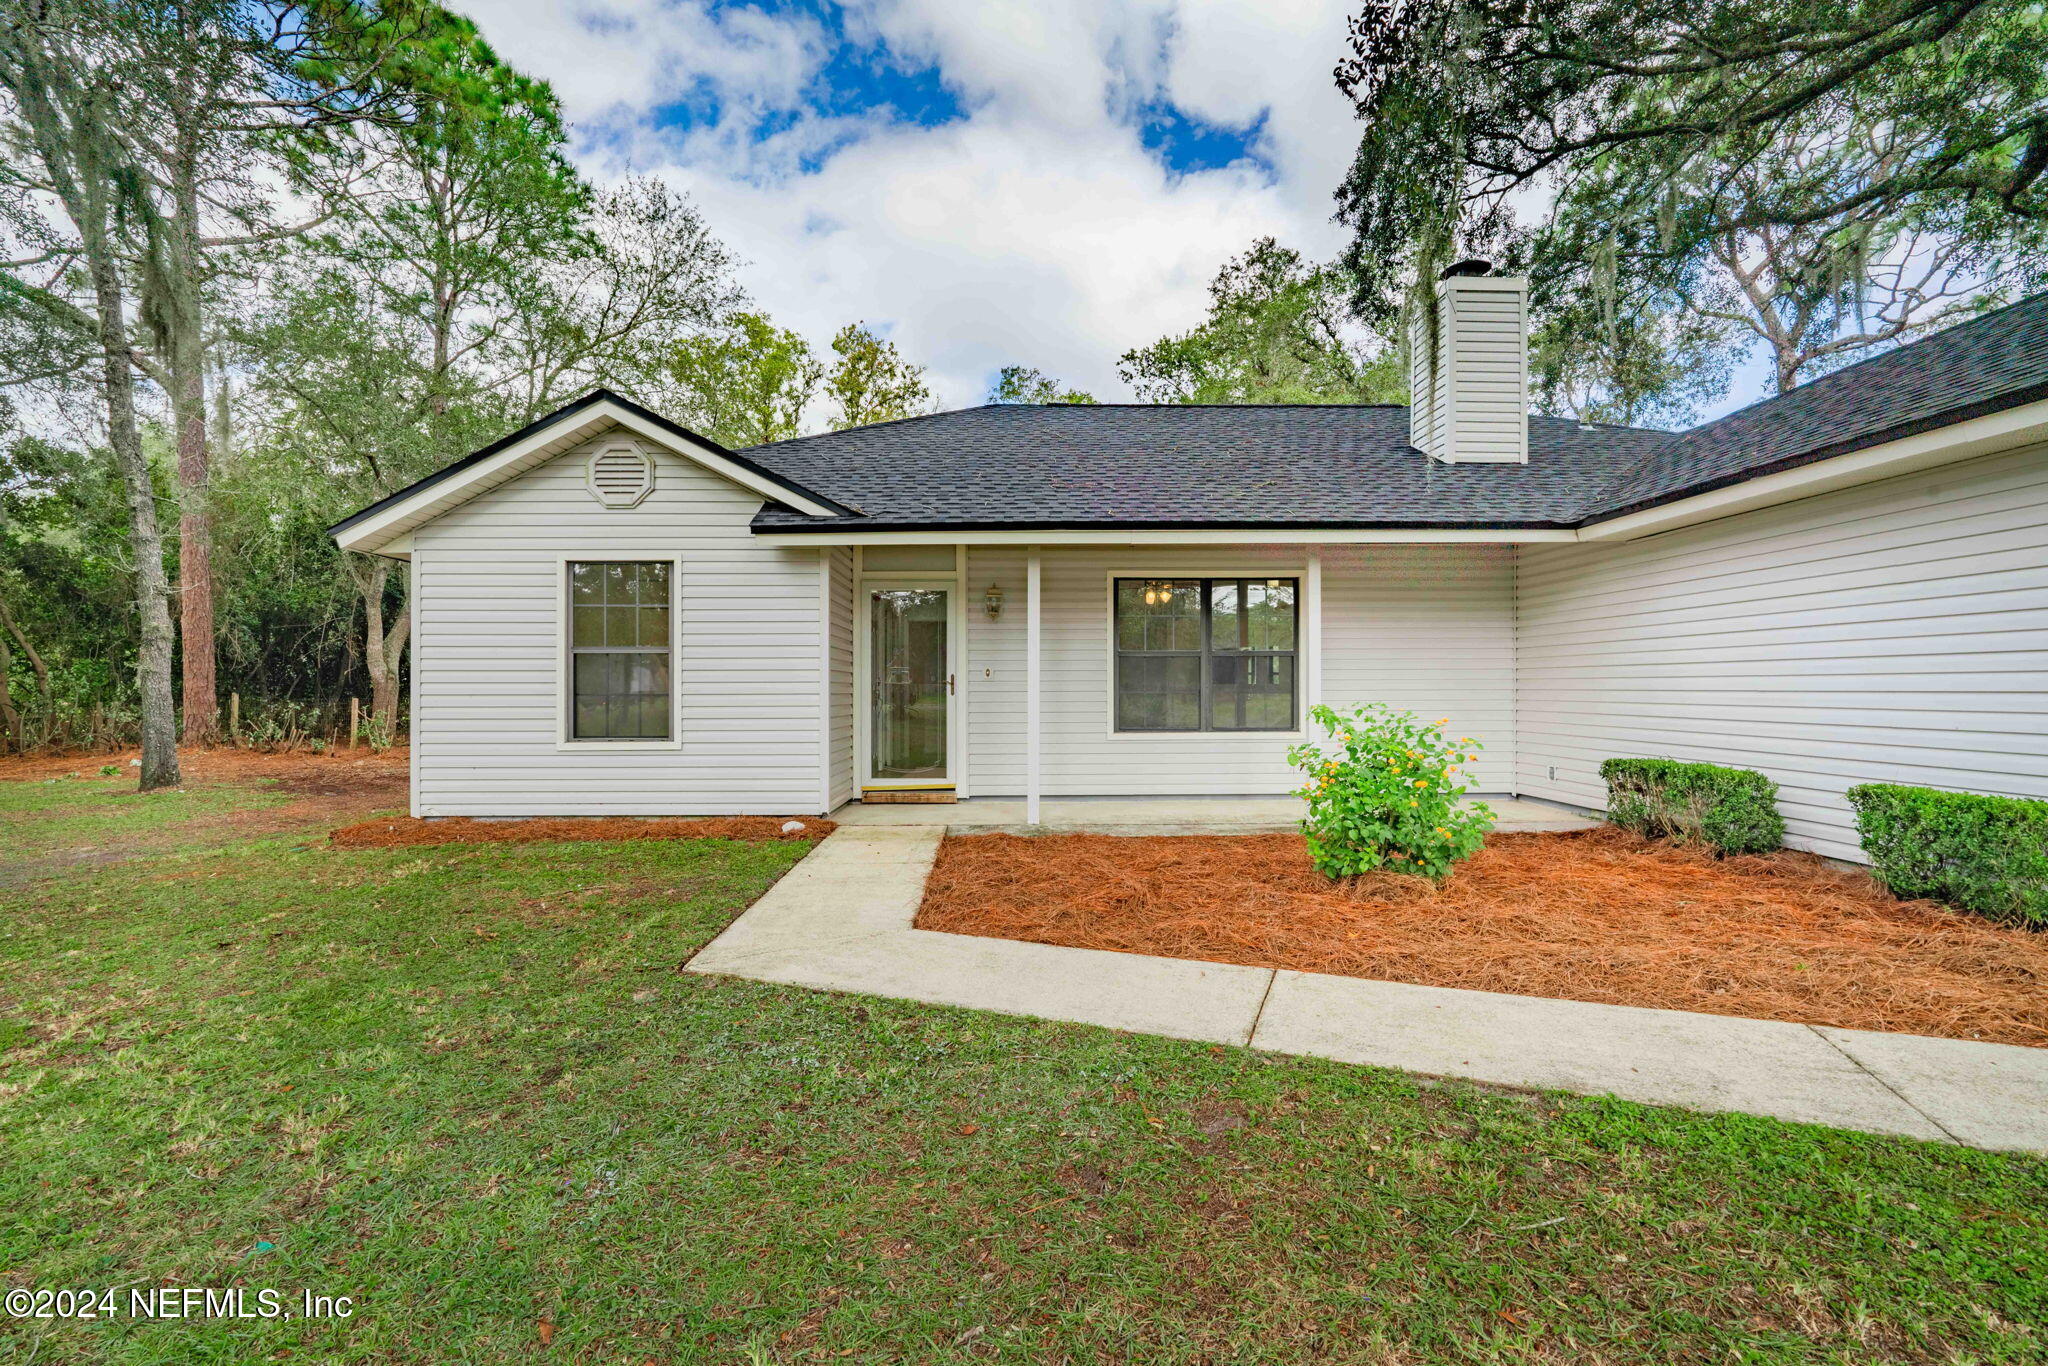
pixel 355 716
pixel 234 718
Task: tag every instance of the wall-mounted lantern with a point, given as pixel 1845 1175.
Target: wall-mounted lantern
pixel 993 600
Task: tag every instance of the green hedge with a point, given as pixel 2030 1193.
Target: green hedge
pixel 1984 854
pixel 1732 810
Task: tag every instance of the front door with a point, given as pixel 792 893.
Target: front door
pixel 910 686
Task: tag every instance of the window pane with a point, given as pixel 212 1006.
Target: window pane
pixel 644 675
pixel 1159 692
pixel 1168 648
pixel 1170 620
pixel 1225 618
pixel 1130 615
pixel 1251 692
pixel 619 635
pixel 621 696
pixel 1269 614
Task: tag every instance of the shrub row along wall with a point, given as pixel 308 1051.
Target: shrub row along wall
pixel 1891 633
pixel 1981 853
pixel 1730 810
pixel 1984 854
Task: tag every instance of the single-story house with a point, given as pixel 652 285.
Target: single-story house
pixel 1847 583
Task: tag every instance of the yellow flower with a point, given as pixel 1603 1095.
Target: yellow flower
pixel 1420 783
pixel 1411 801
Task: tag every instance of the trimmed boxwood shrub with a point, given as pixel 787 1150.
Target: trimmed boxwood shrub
pixel 1984 854
pixel 1731 810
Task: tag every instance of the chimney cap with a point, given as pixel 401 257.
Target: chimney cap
pixel 1471 265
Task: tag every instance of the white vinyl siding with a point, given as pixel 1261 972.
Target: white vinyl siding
pixel 488 737
pixel 1472 386
pixel 1428 628
pixel 841 615
pixel 1896 632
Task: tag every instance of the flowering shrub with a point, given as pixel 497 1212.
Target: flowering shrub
pixel 1383 793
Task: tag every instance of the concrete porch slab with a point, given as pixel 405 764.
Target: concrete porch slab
pixel 842 920
pixel 1159 815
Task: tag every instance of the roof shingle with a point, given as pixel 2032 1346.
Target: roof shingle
pixel 1027 466
pixel 1021 465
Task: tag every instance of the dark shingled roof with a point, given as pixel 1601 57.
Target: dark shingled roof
pixel 1027 466
pixel 1992 362
pixel 1024 465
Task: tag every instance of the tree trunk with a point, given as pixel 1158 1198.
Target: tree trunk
pixel 81 164
pixel 383 644
pixel 10 719
pixel 35 663
pixel 153 659
pixel 187 365
pixel 1788 361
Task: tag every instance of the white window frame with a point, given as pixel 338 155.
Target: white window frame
pixel 1308 598
pixel 565 686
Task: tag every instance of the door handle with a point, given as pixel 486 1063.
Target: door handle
pixel 950 689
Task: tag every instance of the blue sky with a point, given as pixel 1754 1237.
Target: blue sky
pixel 1037 182
pixel 1045 182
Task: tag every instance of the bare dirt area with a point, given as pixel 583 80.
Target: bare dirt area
pixel 321 790
pixel 1591 916
pixel 394 833
pixel 340 773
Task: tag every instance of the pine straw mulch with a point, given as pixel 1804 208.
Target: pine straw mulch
pixel 399 832
pixel 1595 915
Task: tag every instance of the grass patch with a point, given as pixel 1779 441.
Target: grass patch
pixel 470 1088
pixel 83 819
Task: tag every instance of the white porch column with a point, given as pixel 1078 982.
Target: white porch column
pixel 1312 630
pixel 825 680
pixel 1031 720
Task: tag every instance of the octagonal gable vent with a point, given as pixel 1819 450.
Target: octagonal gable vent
pixel 621 475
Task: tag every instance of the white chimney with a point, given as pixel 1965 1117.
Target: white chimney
pixel 1468 394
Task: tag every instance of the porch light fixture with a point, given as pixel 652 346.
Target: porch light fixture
pixel 993 600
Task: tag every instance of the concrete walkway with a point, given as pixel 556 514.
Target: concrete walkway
pixel 841 920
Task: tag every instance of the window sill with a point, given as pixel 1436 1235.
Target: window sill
pixel 1263 736
pixel 617 746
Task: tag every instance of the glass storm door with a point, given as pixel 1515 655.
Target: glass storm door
pixel 910 686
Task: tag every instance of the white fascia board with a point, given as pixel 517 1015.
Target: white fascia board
pixel 373 533
pixel 1170 536
pixel 2008 430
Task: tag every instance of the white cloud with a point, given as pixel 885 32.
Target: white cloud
pixel 1036 229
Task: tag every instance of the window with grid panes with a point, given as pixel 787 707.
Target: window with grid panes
pixel 1206 654
pixel 620 643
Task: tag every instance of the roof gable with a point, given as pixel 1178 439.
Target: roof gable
pixel 387 519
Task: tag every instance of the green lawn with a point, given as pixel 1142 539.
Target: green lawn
pixel 471 1089
pixel 61 820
